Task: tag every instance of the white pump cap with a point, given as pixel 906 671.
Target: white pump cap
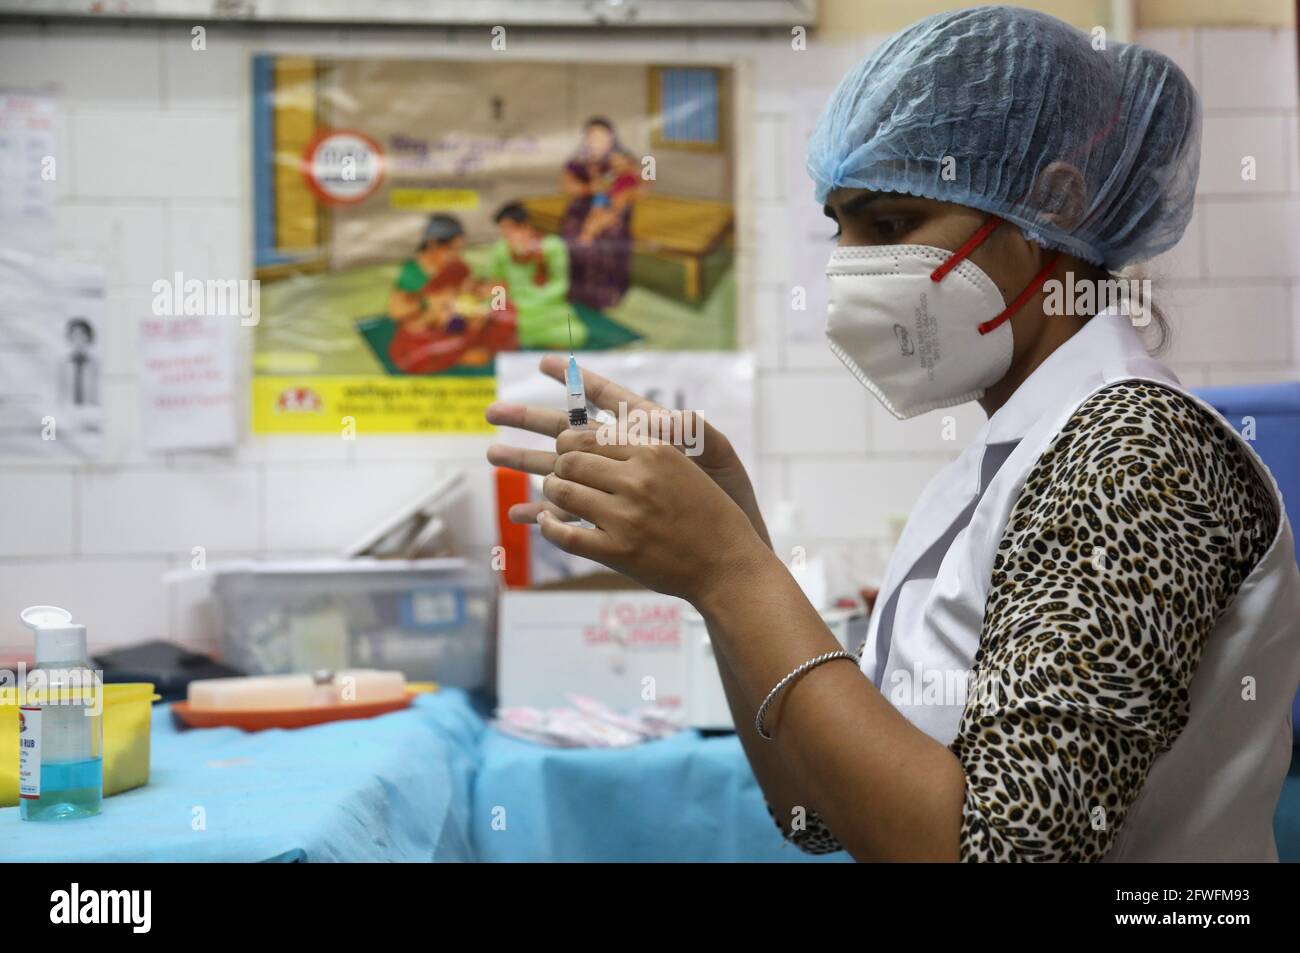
pixel 58 638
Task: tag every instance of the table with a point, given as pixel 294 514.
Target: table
pixel 393 788
pixel 684 798
pixel 435 783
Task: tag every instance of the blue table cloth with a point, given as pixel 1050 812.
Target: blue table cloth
pixel 392 788
pixel 434 783
pixel 683 798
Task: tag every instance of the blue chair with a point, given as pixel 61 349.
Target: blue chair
pixel 1275 411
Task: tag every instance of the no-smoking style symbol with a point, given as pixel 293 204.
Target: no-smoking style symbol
pixel 342 167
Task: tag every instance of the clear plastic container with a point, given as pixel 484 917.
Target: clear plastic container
pixel 430 619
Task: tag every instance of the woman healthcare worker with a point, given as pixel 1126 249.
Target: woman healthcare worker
pixel 1108 561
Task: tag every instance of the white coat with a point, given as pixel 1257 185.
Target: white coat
pixel 1212 795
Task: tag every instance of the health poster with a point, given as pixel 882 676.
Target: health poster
pixel 414 219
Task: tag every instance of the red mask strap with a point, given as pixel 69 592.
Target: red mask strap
pixel 972 243
pixel 1031 289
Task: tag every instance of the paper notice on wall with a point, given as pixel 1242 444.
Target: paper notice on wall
pixel 187 378
pixel 52 321
pixel 28 171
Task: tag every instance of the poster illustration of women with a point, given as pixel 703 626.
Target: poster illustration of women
pixel 414 219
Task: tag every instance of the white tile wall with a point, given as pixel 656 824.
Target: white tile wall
pixel 768 324
pixel 153 179
pixel 941 433
pixel 39 515
pixel 127 238
pixel 1240 322
pixel 214 78
pixel 207 238
pixel 848 498
pixel 805 413
pixel 1229 289
pixel 1248 69
pixel 108 66
pixel 1253 238
pixel 119 599
pixel 1233 144
pixel 163 155
pixel 154 510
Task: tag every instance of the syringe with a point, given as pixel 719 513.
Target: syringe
pixel 577 394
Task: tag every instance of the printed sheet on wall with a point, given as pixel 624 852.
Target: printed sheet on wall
pixel 414 219
pixel 52 346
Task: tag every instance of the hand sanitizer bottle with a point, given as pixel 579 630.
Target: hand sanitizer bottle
pixel 60 727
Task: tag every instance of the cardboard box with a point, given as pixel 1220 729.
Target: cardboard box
pixel 623 647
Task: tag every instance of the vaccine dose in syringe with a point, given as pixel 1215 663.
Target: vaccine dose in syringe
pixel 577 394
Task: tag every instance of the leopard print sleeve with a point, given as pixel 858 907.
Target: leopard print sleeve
pixel 812 836
pixel 1133 532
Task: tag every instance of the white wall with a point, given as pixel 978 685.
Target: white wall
pixel 154 180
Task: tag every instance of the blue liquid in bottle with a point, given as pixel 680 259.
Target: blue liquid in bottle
pixel 68 789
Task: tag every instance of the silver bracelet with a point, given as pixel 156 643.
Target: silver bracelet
pixel 776 689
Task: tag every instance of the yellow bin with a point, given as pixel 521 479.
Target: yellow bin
pixel 128 709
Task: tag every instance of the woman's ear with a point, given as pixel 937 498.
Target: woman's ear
pixel 1060 194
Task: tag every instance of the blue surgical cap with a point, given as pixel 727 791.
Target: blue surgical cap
pixel 1091 151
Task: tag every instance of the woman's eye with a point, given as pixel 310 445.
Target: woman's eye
pixel 891 227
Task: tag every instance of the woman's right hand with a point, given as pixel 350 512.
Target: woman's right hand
pixel 716 456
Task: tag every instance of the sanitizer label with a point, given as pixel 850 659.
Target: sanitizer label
pixel 29 753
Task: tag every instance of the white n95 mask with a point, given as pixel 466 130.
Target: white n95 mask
pixel 911 340
pixel 922 327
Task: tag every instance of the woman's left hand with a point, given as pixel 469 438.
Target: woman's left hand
pixel 658 518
